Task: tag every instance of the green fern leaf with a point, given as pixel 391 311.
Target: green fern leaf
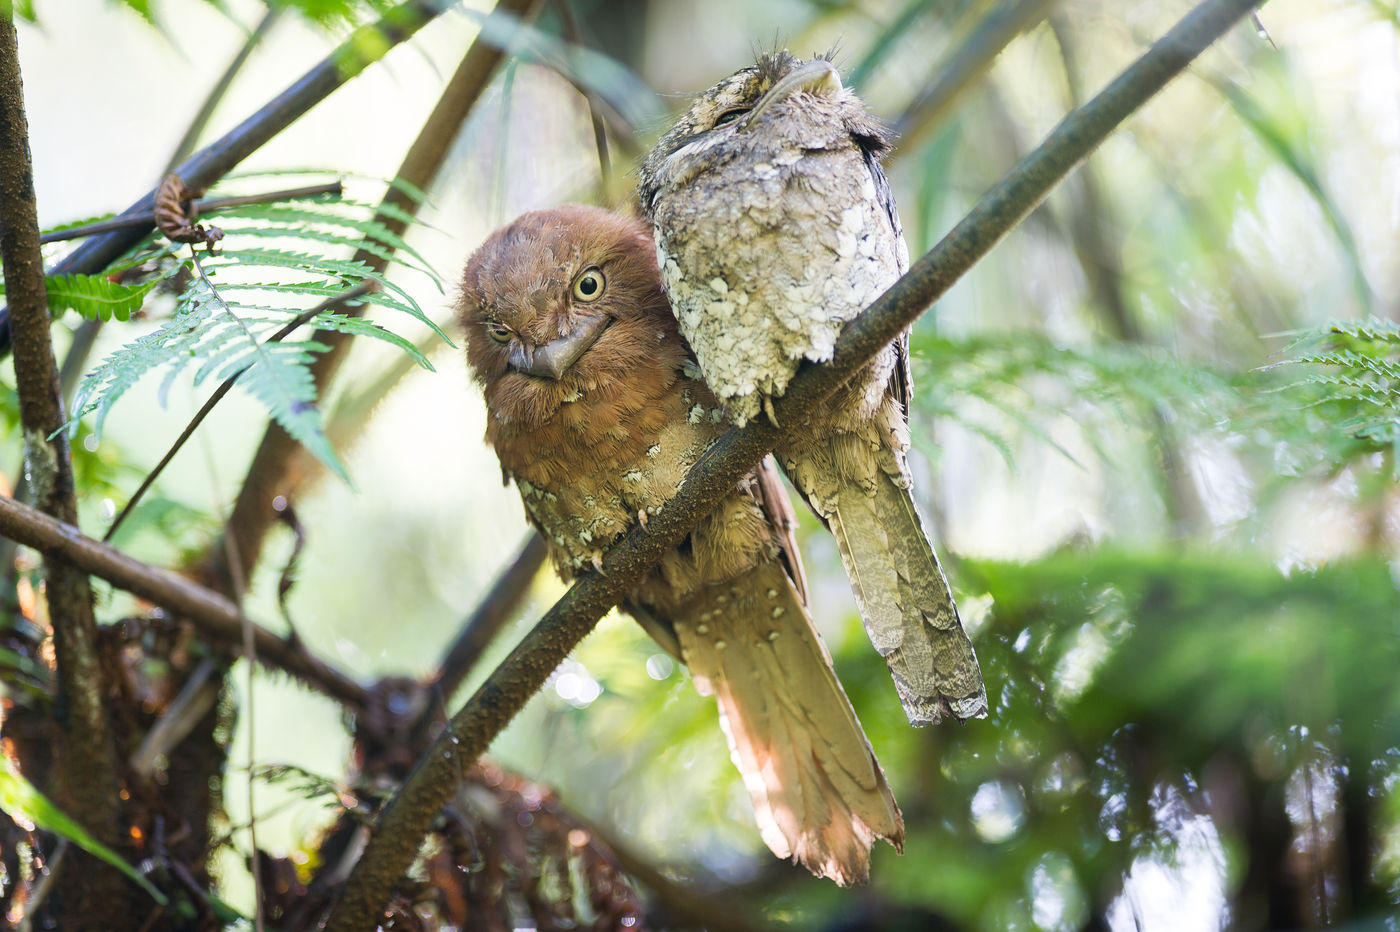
pixel 94 296
pixel 296 217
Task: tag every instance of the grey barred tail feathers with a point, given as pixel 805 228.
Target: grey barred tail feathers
pixel 774 227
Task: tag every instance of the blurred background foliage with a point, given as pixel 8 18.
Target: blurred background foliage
pixel 1173 527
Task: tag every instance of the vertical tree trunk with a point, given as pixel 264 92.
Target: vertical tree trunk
pixel 88 893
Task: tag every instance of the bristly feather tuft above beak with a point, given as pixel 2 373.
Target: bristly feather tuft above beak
pixel 818 76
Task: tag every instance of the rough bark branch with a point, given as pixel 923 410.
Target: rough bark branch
pixel 363 47
pixel 281 466
pixel 214 615
pixel 85 772
pixel 409 815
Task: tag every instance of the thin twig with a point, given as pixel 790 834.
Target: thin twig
pixel 406 820
pixel 496 608
pixel 196 697
pixel 201 208
pixel 214 615
pixel 1100 262
pixel 993 33
pixel 600 132
pixel 301 319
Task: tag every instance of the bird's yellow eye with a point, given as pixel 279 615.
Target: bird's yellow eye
pixel 729 116
pixel 499 333
pixel 590 285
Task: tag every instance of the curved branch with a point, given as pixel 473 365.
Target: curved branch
pixel 410 813
pixel 215 616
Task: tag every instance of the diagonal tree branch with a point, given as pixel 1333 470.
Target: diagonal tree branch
pixel 407 818
pixel 214 615
pixel 281 466
pixel 85 768
pixel 364 46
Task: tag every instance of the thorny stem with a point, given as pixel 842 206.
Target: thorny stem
pixel 85 767
pixel 409 815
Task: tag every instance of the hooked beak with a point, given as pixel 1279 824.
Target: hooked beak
pixel 551 360
pixel 818 76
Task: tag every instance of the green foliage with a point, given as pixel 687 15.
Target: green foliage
pixel 1354 382
pixel 94 296
pixel 226 328
pixel 24 9
pixel 1120 685
pixel 22 802
pixel 1027 381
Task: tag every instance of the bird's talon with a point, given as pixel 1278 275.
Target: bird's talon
pixel 768 410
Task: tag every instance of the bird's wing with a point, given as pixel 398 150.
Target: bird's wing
pixel 901 382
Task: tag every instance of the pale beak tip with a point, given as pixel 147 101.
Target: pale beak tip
pixel 828 82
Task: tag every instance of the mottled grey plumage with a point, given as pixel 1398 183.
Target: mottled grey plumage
pixel 775 227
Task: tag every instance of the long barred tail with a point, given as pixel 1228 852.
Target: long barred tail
pixel 905 602
pixel 819 795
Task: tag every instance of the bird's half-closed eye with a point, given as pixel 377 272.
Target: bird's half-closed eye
pixel 730 115
pixel 499 333
pixel 590 285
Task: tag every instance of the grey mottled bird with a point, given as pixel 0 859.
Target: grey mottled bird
pixel 774 227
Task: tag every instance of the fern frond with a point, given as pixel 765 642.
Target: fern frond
pixel 1026 381
pixel 347 270
pixel 227 324
pixel 94 296
pixel 1354 377
pixel 294 218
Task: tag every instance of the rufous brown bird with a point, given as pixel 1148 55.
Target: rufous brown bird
pixel 774 227
pixel 597 411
